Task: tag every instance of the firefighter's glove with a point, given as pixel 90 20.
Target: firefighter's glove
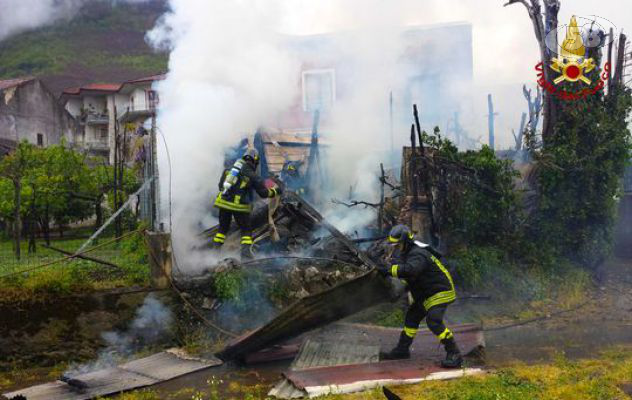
pixel 276 191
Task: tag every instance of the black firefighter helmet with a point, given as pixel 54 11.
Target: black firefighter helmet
pixel 252 156
pixel 400 234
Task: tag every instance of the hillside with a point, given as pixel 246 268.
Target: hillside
pixel 103 43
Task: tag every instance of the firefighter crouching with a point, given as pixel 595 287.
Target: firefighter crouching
pixel 235 199
pixel 432 290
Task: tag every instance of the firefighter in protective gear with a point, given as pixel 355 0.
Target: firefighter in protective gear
pixel 432 290
pixel 292 178
pixel 235 198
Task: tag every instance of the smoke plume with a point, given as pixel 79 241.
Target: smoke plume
pixel 151 325
pixel 231 71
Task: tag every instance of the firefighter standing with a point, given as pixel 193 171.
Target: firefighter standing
pixel 292 178
pixel 432 290
pixel 236 197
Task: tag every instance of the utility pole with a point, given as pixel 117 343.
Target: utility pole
pixel 491 116
pixel 154 187
pixel 390 112
pixel 116 172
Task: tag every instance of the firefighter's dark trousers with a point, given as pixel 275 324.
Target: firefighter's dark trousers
pixel 243 222
pixel 434 319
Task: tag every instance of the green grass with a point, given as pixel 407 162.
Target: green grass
pixel 596 379
pixel 71 276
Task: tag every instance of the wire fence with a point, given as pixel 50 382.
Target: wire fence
pixel 109 262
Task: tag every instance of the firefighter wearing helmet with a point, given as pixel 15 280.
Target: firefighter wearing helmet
pixel 235 199
pixel 432 290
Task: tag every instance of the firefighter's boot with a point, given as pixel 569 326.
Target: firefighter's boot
pixel 453 358
pixel 218 241
pixel 401 351
pixel 246 248
pixel 246 253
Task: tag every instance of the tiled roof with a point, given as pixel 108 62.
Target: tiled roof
pixel 99 87
pixel 151 78
pixel 14 82
pixel 111 87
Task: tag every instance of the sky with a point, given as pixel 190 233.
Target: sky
pixel 504 47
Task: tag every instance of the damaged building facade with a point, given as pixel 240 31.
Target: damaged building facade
pixel 102 109
pixel 30 111
pixel 436 62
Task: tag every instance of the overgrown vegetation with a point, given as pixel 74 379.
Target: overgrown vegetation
pixel 72 276
pixel 42 186
pixel 565 379
pixel 579 170
pixel 53 50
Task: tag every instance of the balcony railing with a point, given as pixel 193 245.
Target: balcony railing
pixel 97 119
pixel 97 145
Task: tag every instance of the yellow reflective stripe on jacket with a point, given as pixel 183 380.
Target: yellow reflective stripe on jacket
pixel 394 269
pixel 231 205
pixel 443 269
pixel 446 334
pixel 410 332
pixel 440 298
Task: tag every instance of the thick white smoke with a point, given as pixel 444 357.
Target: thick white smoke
pixel 22 15
pixel 228 74
pixel 231 71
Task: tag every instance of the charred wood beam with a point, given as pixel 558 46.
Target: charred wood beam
pixel 354 203
pixel 362 256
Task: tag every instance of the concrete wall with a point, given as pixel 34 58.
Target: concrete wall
pixel 139 99
pixel 31 109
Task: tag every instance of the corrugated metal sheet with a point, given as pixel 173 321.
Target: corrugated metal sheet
pixel 315 354
pixel 311 312
pixel 351 362
pixel 132 375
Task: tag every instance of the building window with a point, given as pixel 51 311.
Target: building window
pixel 40 140
pixel 319 89
pixel 103 134
pixel 152 99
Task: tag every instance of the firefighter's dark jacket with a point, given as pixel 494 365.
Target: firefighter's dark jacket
pixel 239 197
pixel 428 279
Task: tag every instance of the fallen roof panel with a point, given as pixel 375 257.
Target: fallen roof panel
pixel 350 363
pixel 132 375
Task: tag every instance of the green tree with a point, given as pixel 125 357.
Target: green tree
pixel 579 176
pixel 14 167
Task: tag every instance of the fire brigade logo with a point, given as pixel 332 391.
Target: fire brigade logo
pixel 572 64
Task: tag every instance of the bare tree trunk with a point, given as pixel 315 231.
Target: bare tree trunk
pixel 618 74
pixel 17 230
pixel 551 9
pixel 98 210
pixel 46 225
pixel 32 226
